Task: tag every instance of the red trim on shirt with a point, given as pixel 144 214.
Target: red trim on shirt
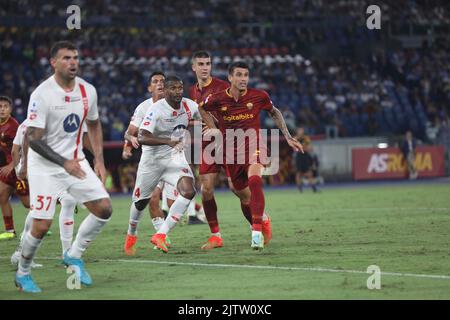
pixel 188 111
pixel 80 129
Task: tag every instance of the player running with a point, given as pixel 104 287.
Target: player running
pixel 9 182
pixel 205 86
pixel 57 109
pixel 239 107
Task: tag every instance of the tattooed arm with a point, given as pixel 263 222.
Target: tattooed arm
pixel 38 145
pixel 277 117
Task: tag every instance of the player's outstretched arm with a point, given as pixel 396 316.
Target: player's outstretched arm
pixel 39 146
pixel 96 137
pixel 145 137
pixel 278 118
pixel 207 118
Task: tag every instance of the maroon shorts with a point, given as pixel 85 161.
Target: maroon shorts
pixel 20 186
pixel 206 168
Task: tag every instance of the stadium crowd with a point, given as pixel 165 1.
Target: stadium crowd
pixel 384 91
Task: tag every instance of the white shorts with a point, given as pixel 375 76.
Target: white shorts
pixel 168 190
pixel 46 189
pixel 150 172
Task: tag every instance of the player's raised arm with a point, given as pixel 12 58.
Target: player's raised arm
pixel 278 118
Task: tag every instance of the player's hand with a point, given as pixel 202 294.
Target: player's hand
pixel 6 170
pixel 295 144
pixel 100 170
pixel 73 168
pixel 22 175
pixel 134 142
pixel 175 141
pixel 126 154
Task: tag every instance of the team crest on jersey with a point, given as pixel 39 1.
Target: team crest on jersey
pixel 249 106
pixel 224 109
pixel 71 123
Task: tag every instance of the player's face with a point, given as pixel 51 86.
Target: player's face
pixel 202 68
pixel 239 78
pixel 174 91
pixel 156 87
pixel 66 63
pixel 5 110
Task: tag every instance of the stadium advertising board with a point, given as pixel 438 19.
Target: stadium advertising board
pixel 388 163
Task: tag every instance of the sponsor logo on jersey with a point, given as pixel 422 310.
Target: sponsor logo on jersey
pixel 71 123
pixel 242 116
pixel 174 114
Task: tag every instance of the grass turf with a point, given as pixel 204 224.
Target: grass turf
pixel 400 228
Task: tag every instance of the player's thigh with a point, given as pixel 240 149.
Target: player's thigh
pixel 176 171
pixel 255 169
pixel 208 181
pixel 146 181
pixel 170 191
pixel 44 193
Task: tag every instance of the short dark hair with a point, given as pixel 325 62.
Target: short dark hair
pixel 200 54
pixel 7 99
pixel 237 64
pixel 61 45
pixel 172 79
pixel 155 73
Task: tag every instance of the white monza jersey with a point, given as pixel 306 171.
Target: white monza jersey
pixel 61 113
pixel 165 122
pixel 140 112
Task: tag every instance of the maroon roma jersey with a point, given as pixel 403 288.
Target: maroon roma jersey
pixel 199 95
pixel 242 114
pixel 8 131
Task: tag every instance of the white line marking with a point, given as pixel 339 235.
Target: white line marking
pixel 245 266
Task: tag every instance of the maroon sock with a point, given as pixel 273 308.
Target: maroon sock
pixel 210 208
pixel 255 184
pixel 9 223
pixel 246 212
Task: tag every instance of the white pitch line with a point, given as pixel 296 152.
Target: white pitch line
pixel 246 266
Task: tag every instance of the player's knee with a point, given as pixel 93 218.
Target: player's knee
pixel 69 202
pixel 141 204
pixel 105 210
pixel 207 191
pixel 187 192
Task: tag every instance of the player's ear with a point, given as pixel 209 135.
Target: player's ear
pixel 53 61
pixel 229 77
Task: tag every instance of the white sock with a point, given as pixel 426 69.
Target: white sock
pixel 66 223
pixel 26 227
pixel 29 248
pixel 265 216
pixel 217 234
pixel 135 216
pixel 176 211
pixel 88 231
pixel 157 223
pixel 191 209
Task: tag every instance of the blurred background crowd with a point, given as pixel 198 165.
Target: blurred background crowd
pixel 317 59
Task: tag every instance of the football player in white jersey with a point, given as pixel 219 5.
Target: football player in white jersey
pixel 161 135
pixel 156 88
pixel 57 109
pixel 68 203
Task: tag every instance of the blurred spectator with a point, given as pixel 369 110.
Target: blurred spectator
pixel 408 149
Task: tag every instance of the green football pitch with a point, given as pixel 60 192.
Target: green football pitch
pixel 321 248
